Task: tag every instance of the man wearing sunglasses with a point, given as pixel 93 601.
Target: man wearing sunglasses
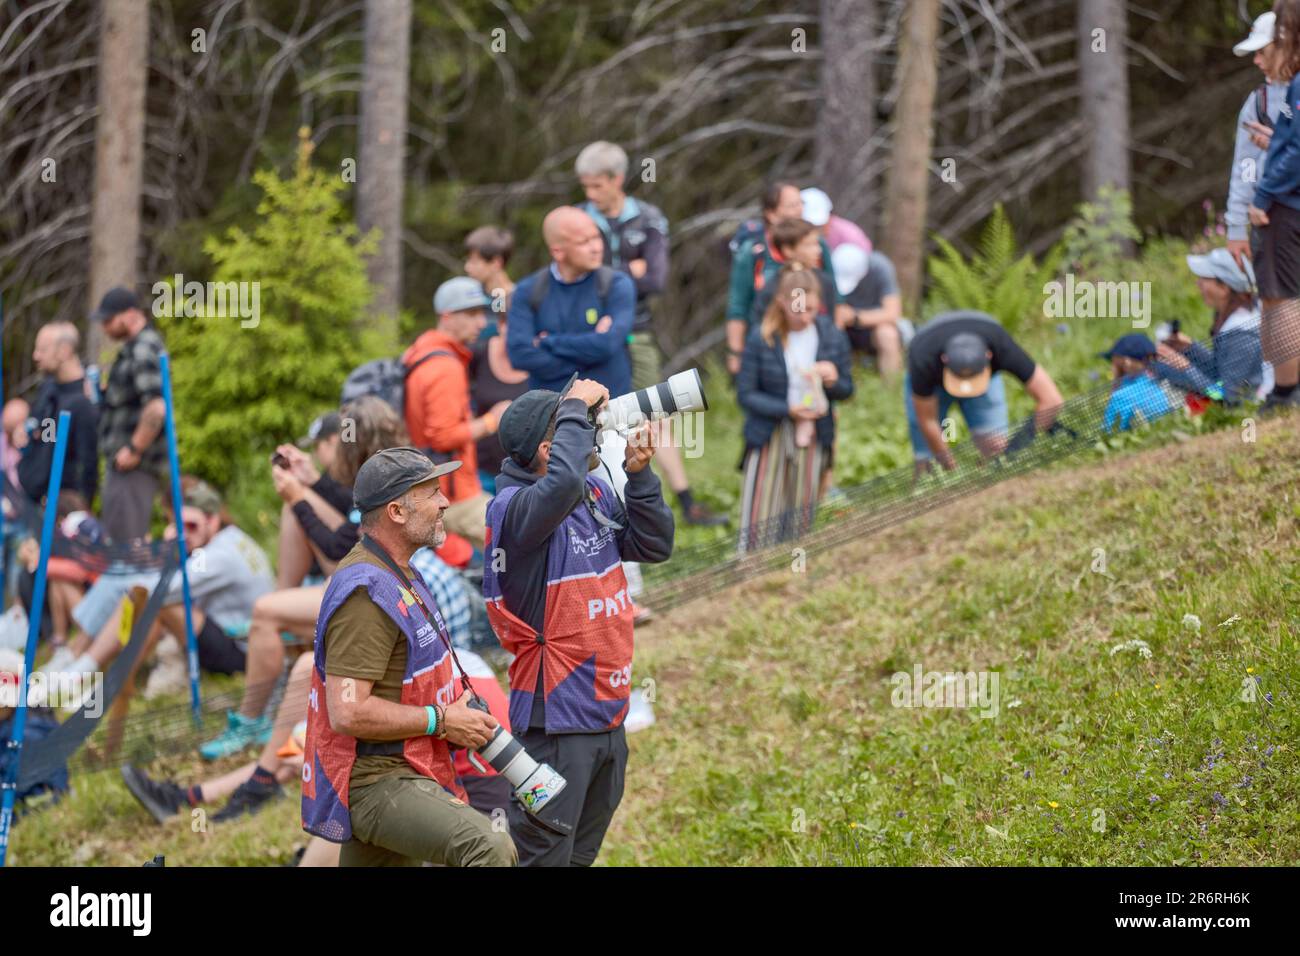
pixel 557 598
pixel 228 572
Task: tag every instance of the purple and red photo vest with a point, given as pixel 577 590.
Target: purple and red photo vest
pixel 328 756
pixel 585 649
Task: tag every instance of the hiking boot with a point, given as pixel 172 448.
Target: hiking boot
pixel 240 732
pixel 700 516
pixel 248 799
pixel 162 798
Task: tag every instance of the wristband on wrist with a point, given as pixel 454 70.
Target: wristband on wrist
pixel 432 713
pixel 736 352
pixel 442 721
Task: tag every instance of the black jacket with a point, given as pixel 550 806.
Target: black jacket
pixel 762 384
pixel 81 466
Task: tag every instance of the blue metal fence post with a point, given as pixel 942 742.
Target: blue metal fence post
pixel 178 504
pixel 10 783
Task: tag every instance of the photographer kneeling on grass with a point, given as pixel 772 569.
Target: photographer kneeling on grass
pixel 954 358
pixel 383 714
pixel 557 598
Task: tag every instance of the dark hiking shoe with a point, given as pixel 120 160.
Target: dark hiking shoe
pixel 248 799
pixel 700 516
pixel 162 798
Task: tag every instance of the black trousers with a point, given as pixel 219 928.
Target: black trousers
pixel 593 766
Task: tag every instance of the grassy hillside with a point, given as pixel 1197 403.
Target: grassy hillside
pixel 777 742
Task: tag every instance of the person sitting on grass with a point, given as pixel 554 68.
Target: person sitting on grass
pixel 287 617
pixel 1135 394
pixel 1232 366
pixel 66 579
pixel 227 571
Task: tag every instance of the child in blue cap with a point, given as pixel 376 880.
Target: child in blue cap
pixel 1135 392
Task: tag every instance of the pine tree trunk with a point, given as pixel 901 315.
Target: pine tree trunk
pixel 119 154
pixel 846 120
pixel 909 175
pixel 381 164
pixel 1103 93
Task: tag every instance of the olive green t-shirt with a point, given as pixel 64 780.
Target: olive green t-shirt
pixel 362 641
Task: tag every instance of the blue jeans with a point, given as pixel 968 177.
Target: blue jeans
pixel 985 416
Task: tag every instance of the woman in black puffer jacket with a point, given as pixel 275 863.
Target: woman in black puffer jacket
pixel 795 366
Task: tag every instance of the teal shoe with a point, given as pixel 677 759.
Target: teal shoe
pixel 240 732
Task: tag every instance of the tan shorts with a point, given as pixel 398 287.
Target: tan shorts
pixel 468 518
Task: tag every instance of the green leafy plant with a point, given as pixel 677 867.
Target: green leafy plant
pixel 1099 236
pixel 242 386
pixel 995 280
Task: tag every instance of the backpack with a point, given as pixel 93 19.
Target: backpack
pixel 542 284
pixel 747 233
pixel 384 378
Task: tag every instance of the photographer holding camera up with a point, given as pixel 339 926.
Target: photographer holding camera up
pixel 556 593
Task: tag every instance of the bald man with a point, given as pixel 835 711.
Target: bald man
pixel 576 314
pixel 64 389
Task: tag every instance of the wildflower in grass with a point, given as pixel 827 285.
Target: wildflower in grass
pixel 1053 804
pixel 1250 670
pixel 1219 798
pixel 1192 622
pixel 1153 798
pixel 1142 648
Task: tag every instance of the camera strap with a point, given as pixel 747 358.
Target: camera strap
pixel 434 619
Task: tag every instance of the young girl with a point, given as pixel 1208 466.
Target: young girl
pixel 796 363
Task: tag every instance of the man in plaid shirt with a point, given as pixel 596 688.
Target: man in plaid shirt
pixel 132 418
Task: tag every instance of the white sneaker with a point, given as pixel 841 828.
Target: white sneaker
pixel 170 674
pixel 60 659
pixel 640 714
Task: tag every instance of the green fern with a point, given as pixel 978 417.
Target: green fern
pixel 994 280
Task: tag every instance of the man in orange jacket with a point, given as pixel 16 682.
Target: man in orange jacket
pixel 438 414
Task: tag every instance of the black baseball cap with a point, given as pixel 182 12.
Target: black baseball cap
pixel 331 423
pixel 1135 345
pixel 393 472
pixel 524 424
pixel 966 370
pixel 114 302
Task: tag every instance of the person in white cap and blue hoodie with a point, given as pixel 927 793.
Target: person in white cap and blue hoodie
pixel 1255 123
pixel 1275 211
pixel 1231 367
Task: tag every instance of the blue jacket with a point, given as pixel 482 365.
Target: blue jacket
pixel 762 385
pixel 1232 370
pixel 1281 179
pixel 568 315
pixel 1138 396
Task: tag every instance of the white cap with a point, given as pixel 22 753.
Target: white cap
pixel 850 265
pixel 816 206
pixel 1219 264
pixel 1261 35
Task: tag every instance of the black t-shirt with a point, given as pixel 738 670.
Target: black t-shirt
pixel 924 355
